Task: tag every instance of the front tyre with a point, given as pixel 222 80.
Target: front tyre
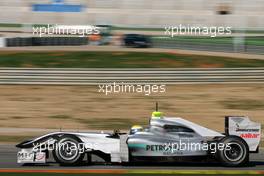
pixel 67 151
pixel 235 152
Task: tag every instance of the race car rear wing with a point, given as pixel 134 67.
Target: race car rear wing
pixel 244 128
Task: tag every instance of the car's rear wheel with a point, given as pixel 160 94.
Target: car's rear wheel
pixel 67 151
pixel 235 152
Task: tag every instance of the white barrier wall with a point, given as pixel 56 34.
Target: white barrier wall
pixel 148 13
pixel 2 42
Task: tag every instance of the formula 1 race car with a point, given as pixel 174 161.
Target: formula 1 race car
pixel 166 139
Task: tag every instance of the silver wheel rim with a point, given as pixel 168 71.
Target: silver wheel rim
pixel 235 153
pixel 67 149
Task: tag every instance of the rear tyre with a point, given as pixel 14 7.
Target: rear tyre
pixel 235 152
pixel 67 151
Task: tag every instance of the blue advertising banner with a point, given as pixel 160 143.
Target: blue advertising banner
pixel 57 6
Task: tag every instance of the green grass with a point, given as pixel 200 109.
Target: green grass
pixel 5 138
pixel 83 174
pixel 60 116
pixel 258 41
pixel 243 104
pixel 52 174
pixel 10 25
pixel 18 117
pixel 60 174
pixel 120 60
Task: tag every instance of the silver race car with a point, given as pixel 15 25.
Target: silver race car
pixel 166 139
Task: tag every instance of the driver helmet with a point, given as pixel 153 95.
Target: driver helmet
pixel 157 115
pixel 135 128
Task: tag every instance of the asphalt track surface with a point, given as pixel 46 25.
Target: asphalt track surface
pixel 121 49
pixel 8 160
pixel 63 76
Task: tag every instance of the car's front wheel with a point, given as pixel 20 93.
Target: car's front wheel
pixel 67 151
pixel 235 152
